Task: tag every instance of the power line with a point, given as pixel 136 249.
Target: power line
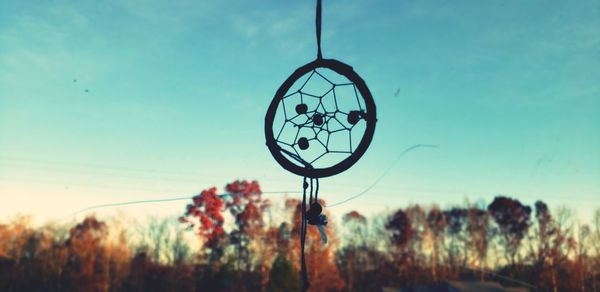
pixel 90 165
pixel 129 203
pixel 85 185
pixel 91 169
pixel 93 207
pixel 188 197
pixel 117 204
pixel 384 173
pixel 95 173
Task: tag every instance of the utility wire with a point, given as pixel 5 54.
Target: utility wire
pixel 93 207
pixel 384 173
pixel 153 177
pixel 89 165
pixel 129 203
pixel 104 170
pixel 117 204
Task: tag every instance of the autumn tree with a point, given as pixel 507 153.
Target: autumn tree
pixel 513 220
pixel 564 250
pixel 479 236
pixel 420 228
pixel 249 251
pixel 204 215
pixel 595 248
pixel 87 263
pixel 162 240
pixel 400 229
pixel 401 232
pixel 456 225
pixel 546 236
pixel 247 206
pixel 352 258
pixel 283 276
pixel 582 265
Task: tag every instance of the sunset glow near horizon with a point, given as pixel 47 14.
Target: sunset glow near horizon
pixel 113 101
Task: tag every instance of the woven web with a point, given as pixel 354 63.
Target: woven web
pixel 320 120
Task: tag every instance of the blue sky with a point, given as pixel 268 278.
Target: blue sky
pixel 177 93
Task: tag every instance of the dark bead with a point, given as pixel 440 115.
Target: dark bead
pixel 354 117
pixel 317 119
pixel 312 215
pixel 301 108
pixel 303 143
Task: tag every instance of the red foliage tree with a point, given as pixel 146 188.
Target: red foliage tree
pixel 246 204
pixel 205 211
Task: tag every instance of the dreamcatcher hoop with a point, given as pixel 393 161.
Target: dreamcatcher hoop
pixel 370 116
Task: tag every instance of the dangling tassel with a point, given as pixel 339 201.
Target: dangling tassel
pixel 305 283
pixel 315 217
pixel 322 218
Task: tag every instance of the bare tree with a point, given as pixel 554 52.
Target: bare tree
pixel 479 236
pixel 437 226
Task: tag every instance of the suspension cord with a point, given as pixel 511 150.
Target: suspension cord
pixel 317 190
pixel 318 22
pixel 303 225
pixel 312 199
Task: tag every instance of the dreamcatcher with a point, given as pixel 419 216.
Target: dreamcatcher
pixel 320 122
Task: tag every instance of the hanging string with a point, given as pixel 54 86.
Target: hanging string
pixel 317 190
pixel 304 272
pixel 312 200
pixel 318 22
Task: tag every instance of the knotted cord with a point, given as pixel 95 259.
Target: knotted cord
pixel 318 22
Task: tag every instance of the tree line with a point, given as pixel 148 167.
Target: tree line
pixel 239 241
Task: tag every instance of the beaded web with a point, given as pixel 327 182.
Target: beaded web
pixel 317 120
